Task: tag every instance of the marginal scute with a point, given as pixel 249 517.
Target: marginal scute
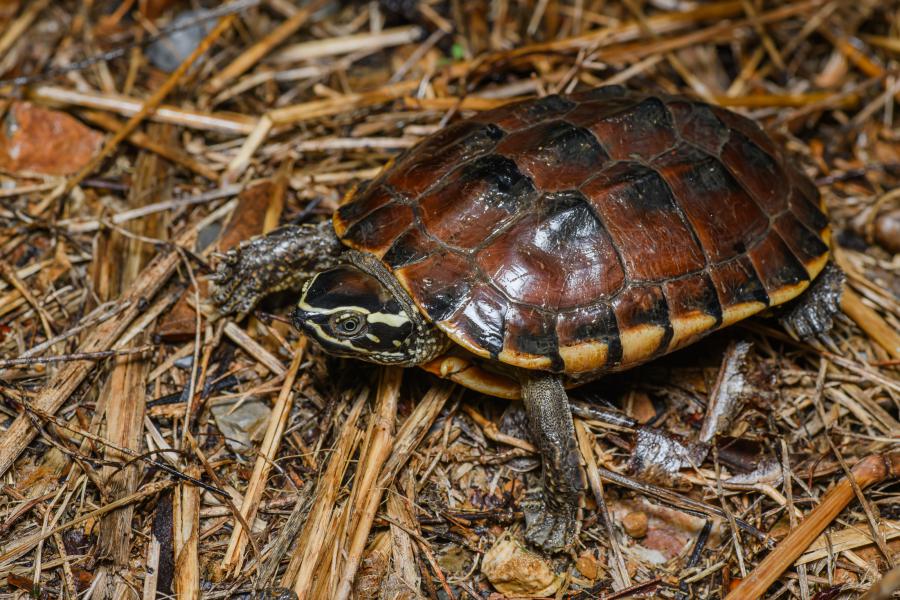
pixel 438 284
pixel 589 327
pixel 643 342
pixel 643 129
pixel 588 233
pixel 411 247
pixel 736 283
pixel 806 245
pixel 642 314
pixel 694 308
pixel 699 126
pixel 690 328
pixel 807 211
pixel 776 266
pixel 480 322
pixel 377 232
pixel 585 358
pixel 530 336
pixel 521 115
pixel 742 125
pixel 758 172
pixel 691 295
pixel 603 94
pixel 369 198
pixel 640 305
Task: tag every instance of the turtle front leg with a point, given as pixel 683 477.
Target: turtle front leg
pixel 282 259
pixel 553 512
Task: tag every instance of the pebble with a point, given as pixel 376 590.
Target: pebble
pixel 515 571
pixel 244 425
pixel 635 524
pixel 589 567
pixel 170 51
pixel 887 230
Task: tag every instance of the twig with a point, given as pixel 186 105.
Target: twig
pixel 367 495
pixel 870 470
pixel 234 554
pixel 149 106
pixel 587 452
pixel 52 396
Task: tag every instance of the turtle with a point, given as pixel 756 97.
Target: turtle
pixel 542 244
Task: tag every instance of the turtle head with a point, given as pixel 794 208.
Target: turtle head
pixel 354 313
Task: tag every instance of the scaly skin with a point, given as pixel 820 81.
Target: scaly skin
pixel 553 513
pixel 811 315
pixel 280 260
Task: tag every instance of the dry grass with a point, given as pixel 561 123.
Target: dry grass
pixel 118 481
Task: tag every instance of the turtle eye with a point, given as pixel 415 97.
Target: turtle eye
pixel 347 324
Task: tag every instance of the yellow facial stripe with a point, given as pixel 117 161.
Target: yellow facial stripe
pixel 389 319
pixel 302 305
pixel 322 335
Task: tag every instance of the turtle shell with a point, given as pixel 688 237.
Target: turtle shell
pixel 588 233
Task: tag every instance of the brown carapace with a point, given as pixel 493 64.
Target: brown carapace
pixel 594 232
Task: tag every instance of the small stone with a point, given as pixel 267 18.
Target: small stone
pixel 243 425
pixel 589 567
pixel 516 571
pixel 34 139
pixel 635 524
pixel 887 230
pixel 190 28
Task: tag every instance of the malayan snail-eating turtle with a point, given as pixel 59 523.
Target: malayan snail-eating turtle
pixel 547 242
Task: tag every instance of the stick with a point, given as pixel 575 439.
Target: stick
pixel 126 106
pixel 301 568
pixel 368 495
pixel 104 337
pixel 186 509
pixel 870 470
pixel 254 53
pixel 234 555
pixel 870 322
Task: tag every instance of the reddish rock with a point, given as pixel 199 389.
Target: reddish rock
pixel 40 140
pixel 588 565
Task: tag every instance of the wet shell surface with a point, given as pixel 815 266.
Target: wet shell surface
pixel 588 233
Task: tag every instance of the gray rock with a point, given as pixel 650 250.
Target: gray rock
pixel 244 425
pixel 170 51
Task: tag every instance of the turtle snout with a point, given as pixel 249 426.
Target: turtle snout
pixel 300 319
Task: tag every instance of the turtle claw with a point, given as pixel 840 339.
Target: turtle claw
pixel 551 530
pixel 242 278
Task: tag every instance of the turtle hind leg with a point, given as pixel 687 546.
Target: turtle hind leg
pixel 280 260
pixel 812 314
pixel 553 513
